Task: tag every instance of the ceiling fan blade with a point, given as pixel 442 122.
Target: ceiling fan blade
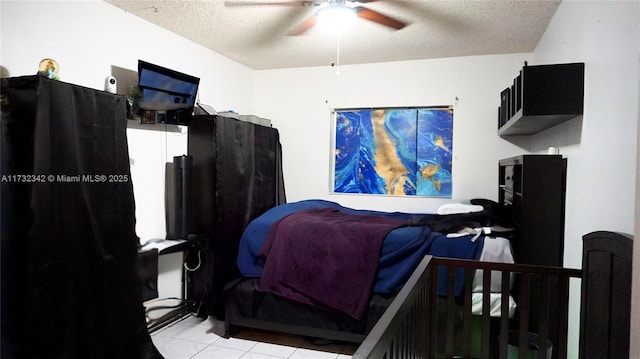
pixel 260 3
pixel 379 18
pixel 306 25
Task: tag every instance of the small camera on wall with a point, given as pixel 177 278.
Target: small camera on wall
pixel 110 84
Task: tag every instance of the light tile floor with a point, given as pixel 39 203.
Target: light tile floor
pixel 197 338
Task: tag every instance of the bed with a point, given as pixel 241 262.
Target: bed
pixel 289 259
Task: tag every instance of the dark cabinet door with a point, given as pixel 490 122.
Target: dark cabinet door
pixel 532 190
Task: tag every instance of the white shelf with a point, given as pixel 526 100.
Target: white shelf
pixel 135 124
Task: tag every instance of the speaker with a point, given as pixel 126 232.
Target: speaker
pixel 178 197
pixel 147 272
pixel 110 84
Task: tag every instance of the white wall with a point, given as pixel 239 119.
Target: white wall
pixel 87 38
pixel 299 102
pixel 602 164
pixel 601 174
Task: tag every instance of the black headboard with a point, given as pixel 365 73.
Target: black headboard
pixel 606 295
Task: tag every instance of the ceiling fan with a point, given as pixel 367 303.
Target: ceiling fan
pixel 326 6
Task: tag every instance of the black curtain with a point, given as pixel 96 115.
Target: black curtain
pixel 237 176
pixel 69 285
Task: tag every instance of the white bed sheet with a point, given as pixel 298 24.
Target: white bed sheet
pixel 495 249
pixel 495 300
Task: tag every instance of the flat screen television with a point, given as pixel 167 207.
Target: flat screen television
pixel 169 92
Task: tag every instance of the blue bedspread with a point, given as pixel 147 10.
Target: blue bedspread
pixel 402 249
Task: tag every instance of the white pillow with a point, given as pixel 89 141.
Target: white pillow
pixel 456 208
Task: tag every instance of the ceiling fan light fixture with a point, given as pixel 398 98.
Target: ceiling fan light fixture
pixel 336 16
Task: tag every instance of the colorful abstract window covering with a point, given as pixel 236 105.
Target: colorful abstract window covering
pixel 394 151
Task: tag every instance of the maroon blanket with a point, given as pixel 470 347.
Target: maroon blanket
pixel 324 257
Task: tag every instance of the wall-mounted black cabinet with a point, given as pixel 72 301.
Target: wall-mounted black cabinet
pixel 541 97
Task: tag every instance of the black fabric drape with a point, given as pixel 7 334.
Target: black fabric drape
pixel 237 175
pixel 69 286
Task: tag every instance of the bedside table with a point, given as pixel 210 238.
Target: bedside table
pixel 169 310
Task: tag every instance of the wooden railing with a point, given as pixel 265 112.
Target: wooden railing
pixel 428 320
pixel 402 332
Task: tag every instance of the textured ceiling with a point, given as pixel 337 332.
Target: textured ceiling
pixel 256 36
